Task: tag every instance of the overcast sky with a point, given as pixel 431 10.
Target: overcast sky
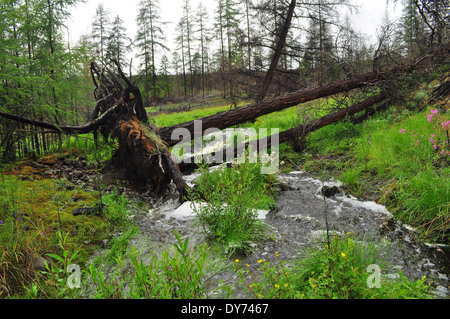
pixel 367 20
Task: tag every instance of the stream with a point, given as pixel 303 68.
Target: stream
pixel 298 221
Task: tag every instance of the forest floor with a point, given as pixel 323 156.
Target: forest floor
pixel 388 159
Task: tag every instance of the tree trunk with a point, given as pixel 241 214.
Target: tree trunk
pixel 244 114
pixel 189 165
pixel 278 51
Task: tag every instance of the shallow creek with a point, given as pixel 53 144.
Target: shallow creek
pixel 298 221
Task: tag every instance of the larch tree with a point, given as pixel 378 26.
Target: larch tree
pixel 119 44
pixel 203 39
pixel 101 29
pixel 149 40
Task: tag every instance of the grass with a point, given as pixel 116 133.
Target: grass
pixel 36 211
pixel 395 150
pixel 345 269
pixel 381 157
pixel 372 158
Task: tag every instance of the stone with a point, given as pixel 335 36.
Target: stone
pixel 104 243
pixel 330 191
pixel 40 263
pixel 82 211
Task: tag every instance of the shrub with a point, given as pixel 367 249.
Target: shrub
pixel 232 197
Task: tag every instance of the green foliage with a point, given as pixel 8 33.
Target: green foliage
pixel 177 274
pixel 31 223
pixel 52 283
pixel 84 145
pixel 335 271
pixel 232 197
pixel 396 147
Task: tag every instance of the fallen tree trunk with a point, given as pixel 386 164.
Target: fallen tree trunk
pixel 190 165
pixel 247 113
pixel 143 149
pixel 146 158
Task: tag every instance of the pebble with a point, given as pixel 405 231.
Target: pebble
pixel 105 243
pixel 40 262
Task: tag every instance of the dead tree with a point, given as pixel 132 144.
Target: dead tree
pixel 144 149
pixel 278 51
pixel 190 164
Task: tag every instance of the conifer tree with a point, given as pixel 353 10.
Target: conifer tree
pixel 150 39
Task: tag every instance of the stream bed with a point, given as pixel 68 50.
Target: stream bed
pixel 298 221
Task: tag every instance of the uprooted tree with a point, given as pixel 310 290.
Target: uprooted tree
pixel 144 149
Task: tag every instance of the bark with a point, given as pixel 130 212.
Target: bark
pixel 146 158
pixel 278 51
pixel 244 114
pixel 250 112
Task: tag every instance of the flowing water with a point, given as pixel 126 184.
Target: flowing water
pixel 299 221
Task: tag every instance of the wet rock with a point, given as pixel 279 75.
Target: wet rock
pixel 82 211
pixel 104 243
pixel 330 191
pixel 97 209
pixel 441 292
pixel 40 263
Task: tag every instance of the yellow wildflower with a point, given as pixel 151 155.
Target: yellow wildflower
pixel 277 286
pixel 343 255
pixel 286 285
pixel 237 260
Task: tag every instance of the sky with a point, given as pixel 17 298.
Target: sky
pixel 367 20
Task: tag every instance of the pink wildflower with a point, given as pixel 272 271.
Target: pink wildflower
pixel 436 111
pixel 446 125
pixel 402 131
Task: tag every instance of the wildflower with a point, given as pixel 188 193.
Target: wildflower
pixel 237 260
pixel 276 254
pixel 402 131
pixel 259 261
pixel 446 125
pixel 343 255
pixel 277 286
pixel 435 147
pixel 436 111
pixel 248 265
pixel 285 285
pixel 1 222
